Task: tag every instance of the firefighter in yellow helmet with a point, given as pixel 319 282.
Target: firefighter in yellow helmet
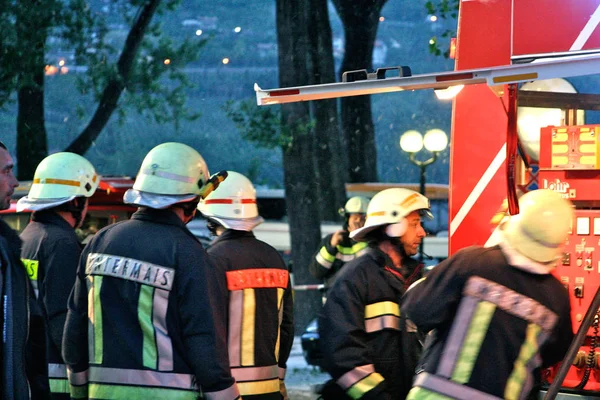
pixel 145 317
pixel 368 349
pixel 338 248
pixel 260 312
pixel 498 314
pixel 62 185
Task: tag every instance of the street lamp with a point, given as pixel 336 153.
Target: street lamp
pixel 412 142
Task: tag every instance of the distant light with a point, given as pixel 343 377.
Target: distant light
pixel 167 61
pixel 448 93
pixel 411 141
pixel 225 61
pixel 433 18
pixel 199 32
pixel 64 70
pixel 61 62
pixel 237 29
pixel 50 69
pixel 431 41
pixel 452 52
pixel 381 19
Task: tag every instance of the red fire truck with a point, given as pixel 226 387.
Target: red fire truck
pixel 501 48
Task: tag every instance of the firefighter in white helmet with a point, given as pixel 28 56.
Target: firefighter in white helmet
pixel 260 312
pixel 369 351
pixel 61 187
pixel 338 248
pixel 498 314
pixel 145 317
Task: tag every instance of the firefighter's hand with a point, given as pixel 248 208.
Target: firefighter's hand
pixel 337 238
pixel 283 390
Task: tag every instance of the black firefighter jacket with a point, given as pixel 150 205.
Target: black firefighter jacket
pixel 50 254
pixel 23 371
pixel 328 260
pixel 494 325
pixel 155 326
pixel 260 314
pixel 368 347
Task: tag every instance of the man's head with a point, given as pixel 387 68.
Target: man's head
pixel 539 230
pixel 232 204
pixel 395 215
pixel 62 181
pixel 8 182
pixel 172 174
pixel 355 212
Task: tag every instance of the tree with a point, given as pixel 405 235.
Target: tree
pixel 328 148
pixel 444 9
pixel 360 19
pixel 146 61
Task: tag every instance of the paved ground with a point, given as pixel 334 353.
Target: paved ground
pixel 301 378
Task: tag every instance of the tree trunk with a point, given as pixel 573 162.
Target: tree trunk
pixel 298 165
pixel 116 85
pixel 331 172
pixel 32 144
pixel 360 20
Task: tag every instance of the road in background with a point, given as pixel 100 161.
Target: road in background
pixel 301 378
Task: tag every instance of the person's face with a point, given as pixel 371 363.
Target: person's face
pixel 414 234
pixel 8 182
pixel 356 221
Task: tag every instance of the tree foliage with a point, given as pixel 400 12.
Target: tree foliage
pixel 445 9
pixel 143 65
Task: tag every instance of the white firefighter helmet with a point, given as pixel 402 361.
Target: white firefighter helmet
pixel 170 173
pixel 539 230
pixel 58 179
pixel 355 205
pixel 391 206
pixel 233 203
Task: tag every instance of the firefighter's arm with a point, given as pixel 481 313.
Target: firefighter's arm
pixel 344 340
pixel 75 334
pixel 432 301
pixel 201 301
pixel 286 333
pixel 322 261
pixel 61 270
pixel 556 347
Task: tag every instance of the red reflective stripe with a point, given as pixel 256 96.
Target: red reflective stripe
pixel 452 77
pixel 284 92
pixel 257 278
pixel 229 201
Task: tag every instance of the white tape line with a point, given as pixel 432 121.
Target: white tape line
pixel 478 189
pixel 587 31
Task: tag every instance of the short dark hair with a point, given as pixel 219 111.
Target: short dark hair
pixel 3 145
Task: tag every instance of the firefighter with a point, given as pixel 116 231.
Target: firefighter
pixel 369 351
pixel 146 315
pixel 497 314
pixel 260 313
pixel 23 367
pixel 337 248
pixel 58 197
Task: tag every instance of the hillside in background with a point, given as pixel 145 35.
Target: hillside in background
pixel 402 40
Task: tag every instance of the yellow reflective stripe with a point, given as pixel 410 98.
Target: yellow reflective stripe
pixel 31 266
pixel 529 349
pixel 79 392
pixel 280 312
pixel 361 387
pixel 110 392
pixel 145 320
pixel 248 326
pixel 59 385
pixel 473 340
pixel 259 387
pixel 57 181
pixel 419 393
pixel 352 250
pixel 95 318
pixel 326 255
pixel 382 308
